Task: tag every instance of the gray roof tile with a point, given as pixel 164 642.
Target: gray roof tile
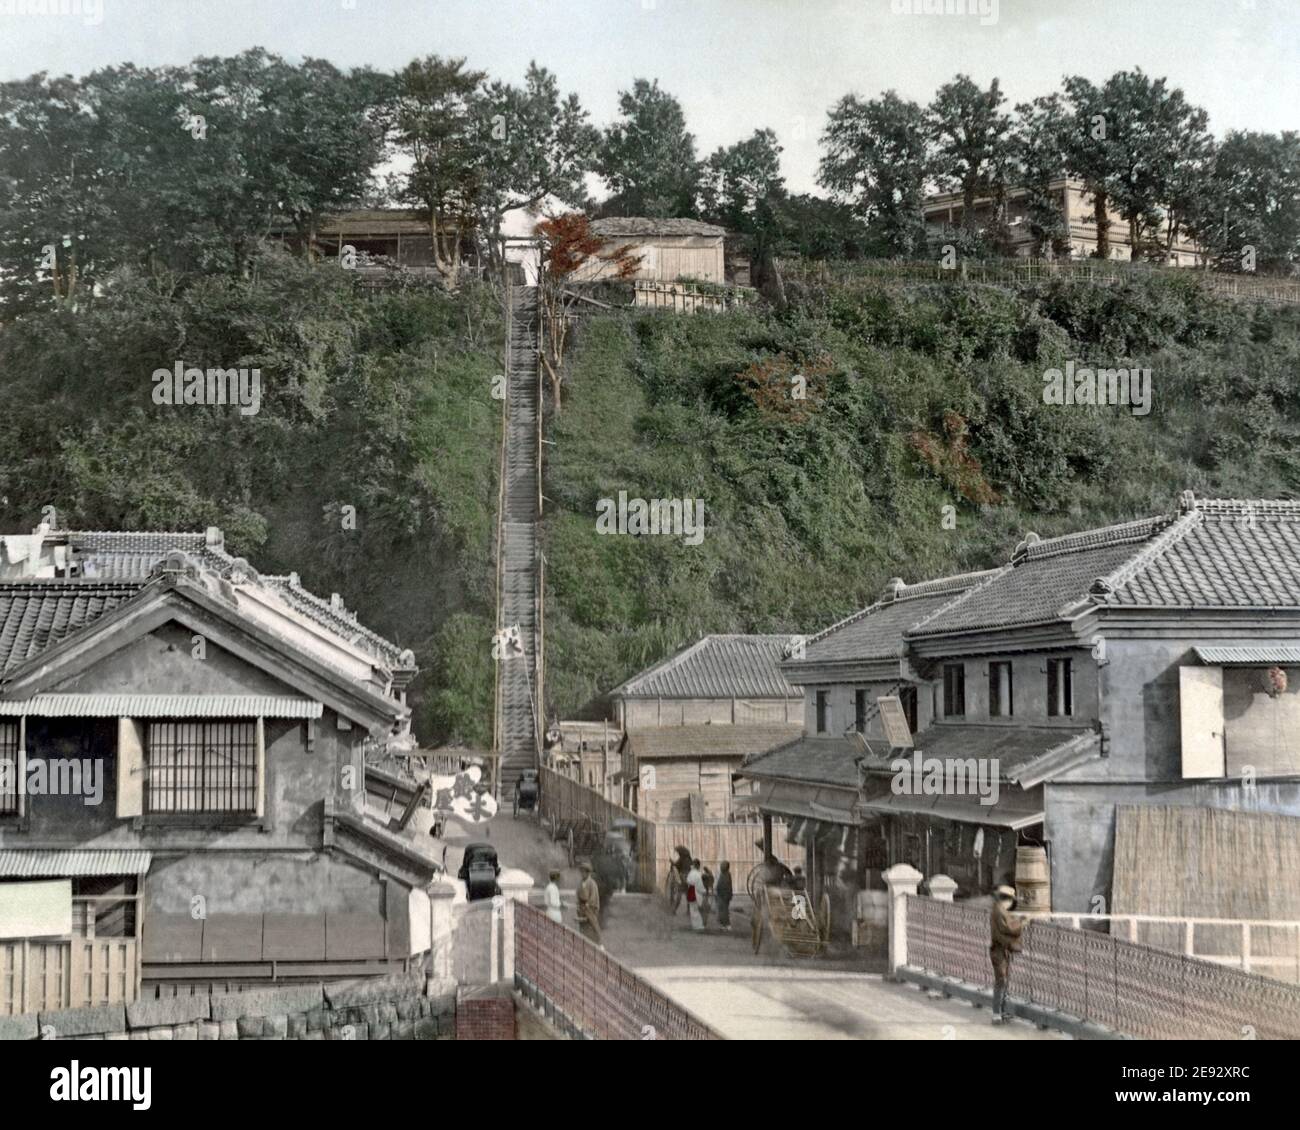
pixel 722 666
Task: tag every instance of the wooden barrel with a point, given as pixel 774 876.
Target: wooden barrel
pixel 1033 881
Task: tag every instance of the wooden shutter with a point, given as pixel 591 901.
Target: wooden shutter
pixel 1200 703
pixel 130 768
pixel 261 767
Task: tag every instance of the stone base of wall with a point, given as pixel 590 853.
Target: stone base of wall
pixel 404 1006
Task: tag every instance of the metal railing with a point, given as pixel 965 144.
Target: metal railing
pixel 580 987
pixel 1128 987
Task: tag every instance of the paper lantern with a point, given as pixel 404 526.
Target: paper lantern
pixel 1274 682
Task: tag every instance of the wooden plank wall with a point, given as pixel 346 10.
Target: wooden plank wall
pixel 712 843
pixel 43 976
pixel 564 799
pixel 336 936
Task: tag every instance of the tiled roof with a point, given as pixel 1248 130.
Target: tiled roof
pixel 1032 752
pixel 709 741
pixel 1211 553
pixel 717 667
pixel 1242 557
pixel 826 761
pixel 35 615
pixel 1015 748
pixel 876 632
pixel 130 555
pixel 649 225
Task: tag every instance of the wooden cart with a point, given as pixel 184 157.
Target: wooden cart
pixel 797 927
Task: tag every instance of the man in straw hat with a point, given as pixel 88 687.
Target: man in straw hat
pixel 1004 940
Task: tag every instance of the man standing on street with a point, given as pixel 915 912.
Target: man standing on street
pixel 589 906
pixel 551 898
pixel 723 894
pixel 1004 940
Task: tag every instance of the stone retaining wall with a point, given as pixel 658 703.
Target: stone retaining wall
pixel 404 1006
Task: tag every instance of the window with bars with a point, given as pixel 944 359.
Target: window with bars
pixel 8 768
pixel 201 767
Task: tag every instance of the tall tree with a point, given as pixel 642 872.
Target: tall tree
pixel 55 223
pixel 436 124
pixel 1247 211
pixel 648 157
pixel 534 143
pixel 1039 158
pixel 1086 145
pixel 479 149
pixel 874 158
pixel 970 136
pixel 1153 137
pixel 743 190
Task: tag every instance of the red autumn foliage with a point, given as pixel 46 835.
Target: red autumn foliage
pixel 782 389
pixel 950 458
pixel 570 242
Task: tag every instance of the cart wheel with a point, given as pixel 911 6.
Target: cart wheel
pixel 572 858
pixel 756 928
pixel 824 917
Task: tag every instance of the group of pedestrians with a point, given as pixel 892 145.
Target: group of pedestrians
pixel 588 904
pixel 703 893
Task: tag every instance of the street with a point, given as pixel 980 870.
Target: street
pixel 718 976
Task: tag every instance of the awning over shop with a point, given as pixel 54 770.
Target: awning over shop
pixel 1271 654
pixel 47 863
pixel 1015 808
pixel 101 705
pixel 823 803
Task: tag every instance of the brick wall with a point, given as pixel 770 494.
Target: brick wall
pixel 483 1016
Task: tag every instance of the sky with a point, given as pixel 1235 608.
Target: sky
pixel 735 65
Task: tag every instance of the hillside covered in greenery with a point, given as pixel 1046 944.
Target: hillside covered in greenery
pixel 380 403
pixel 917 399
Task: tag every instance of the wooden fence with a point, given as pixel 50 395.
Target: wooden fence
pixel 687 298
pixel 41 976
pixel 712 843
pixel 565 801
pixel 1015 272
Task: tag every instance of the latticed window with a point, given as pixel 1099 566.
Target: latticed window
pixel 201 767
pixel 9 768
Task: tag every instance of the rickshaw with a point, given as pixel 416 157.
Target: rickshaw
pixel 527 792
pixel 479 869
pixel 789 915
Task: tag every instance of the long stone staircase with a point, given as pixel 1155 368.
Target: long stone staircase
pixel 518 693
